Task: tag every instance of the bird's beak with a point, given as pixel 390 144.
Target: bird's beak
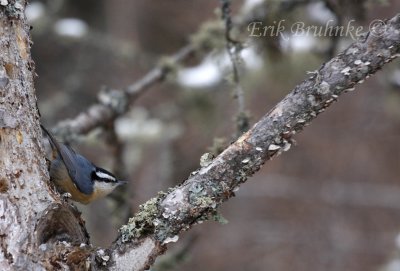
pixel 122 182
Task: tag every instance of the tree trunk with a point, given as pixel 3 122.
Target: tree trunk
pixel 30 213
pixel 39 231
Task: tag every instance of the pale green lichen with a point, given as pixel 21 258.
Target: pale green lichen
pixel 210 36
pixel 169 66
pixel 204 202
pixel 142 222
pixel 206 159
pixel 197 188
pixel 216 216
pixel 218 146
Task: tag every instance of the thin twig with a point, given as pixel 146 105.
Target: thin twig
pixel 233 49
pixel 100 114
pixel 121 209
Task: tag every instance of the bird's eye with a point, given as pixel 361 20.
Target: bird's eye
pixel 104 176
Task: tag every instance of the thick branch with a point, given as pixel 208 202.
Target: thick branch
pixel 163 218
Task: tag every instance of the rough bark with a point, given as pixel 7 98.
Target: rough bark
pixel 163 218
pixel 38 231
pixel 30 214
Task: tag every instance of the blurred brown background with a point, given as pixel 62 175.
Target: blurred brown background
pixel 330 203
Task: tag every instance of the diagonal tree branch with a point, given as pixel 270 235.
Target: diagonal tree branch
pixel 38 231
pixel 102 113
pixel 161 219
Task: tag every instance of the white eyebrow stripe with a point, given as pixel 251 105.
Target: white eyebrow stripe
pixel 104 176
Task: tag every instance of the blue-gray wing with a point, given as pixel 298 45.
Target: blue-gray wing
pixel 78 167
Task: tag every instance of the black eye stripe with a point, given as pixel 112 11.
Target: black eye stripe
pixel 103 176
pixel 106 180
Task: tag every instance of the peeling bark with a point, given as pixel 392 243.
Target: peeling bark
pixel 30 213
pixel 164 217
pixel 38 231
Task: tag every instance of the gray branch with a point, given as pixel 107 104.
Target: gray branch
pixel 210 33
pixel 117 103
pixel 163 218
pixel 39 231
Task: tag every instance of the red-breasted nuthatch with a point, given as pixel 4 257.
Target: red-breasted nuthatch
pixel 74 174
